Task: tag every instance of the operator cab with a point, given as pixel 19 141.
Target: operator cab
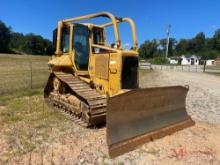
pixel 79 42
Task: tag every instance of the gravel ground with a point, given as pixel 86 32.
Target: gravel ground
pixel 203 99
pixel 196 145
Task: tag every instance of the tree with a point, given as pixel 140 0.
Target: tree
pixel 198 42
pixel 36 44
pixel 194 45
pixel 20 43
pixel 148 49
pixel 171 48
pixel 5 35
pixel 17 42
pixel 48 47
pixel 181 47
pixel 216 39
pixel 210 44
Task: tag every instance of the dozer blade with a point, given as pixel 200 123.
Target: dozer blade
pixel 142 115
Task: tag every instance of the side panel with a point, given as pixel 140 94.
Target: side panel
pixel 115 65
pixel 102 66
pixel 105 72
pixel 98 70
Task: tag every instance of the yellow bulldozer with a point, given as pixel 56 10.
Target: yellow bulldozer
pixel 95 83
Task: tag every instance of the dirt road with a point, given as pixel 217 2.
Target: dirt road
pixel 203 100
pixel 196 145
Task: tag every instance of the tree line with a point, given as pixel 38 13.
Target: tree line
pixel 208 48
pixel 14 42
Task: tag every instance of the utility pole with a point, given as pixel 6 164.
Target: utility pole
pixel 168 39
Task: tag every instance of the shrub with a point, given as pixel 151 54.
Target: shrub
pixel 159 60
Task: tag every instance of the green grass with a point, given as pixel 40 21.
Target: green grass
pixel 15 72
pixel 27 124
pixel 4 100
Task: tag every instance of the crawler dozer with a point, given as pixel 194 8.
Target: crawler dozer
pixel 95 83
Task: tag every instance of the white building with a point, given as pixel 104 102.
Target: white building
pixel 190 60
pixel 173 61
pixel 210 62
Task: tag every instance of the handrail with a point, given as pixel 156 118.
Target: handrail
pixel 133 29
pixel 102 14
pixel 104 47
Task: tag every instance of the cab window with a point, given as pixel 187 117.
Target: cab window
pixel 98 39
pixel 81 47
pixel 65 40
pixel 98 36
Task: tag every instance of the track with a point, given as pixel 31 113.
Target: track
pixel 92 110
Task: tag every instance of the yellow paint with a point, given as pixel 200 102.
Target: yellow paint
pixel 63 60
pixel 111 57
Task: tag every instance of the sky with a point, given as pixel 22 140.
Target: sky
pixel 187 17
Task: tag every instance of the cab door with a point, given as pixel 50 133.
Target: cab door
pixel 81 47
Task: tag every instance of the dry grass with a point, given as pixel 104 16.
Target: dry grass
pixel 214 67
pixel 22 58
pixel 27 124
pixel 16 71
pixel 214 70
pixel 214 73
